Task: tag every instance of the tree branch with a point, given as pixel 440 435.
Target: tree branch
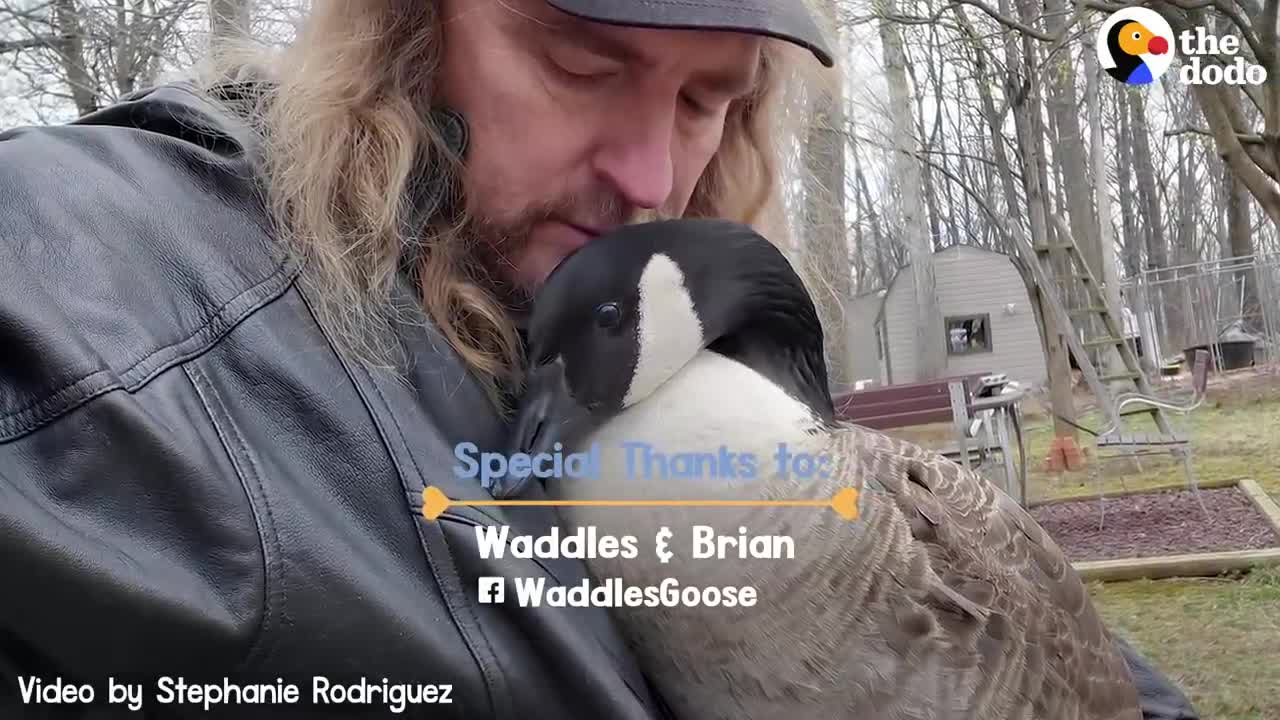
pixel 43 41
pixel 1006 21
pixel 1242 137
pixel 1246 165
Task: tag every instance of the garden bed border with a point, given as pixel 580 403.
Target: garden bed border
pixel 1187 565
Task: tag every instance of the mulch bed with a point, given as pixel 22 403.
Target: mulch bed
pixel 1163 523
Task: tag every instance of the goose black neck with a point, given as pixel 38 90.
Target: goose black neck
pixel 765 319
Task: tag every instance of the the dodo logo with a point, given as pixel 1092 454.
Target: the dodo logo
pixel 1135 46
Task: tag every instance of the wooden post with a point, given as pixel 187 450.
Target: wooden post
pixel 960 419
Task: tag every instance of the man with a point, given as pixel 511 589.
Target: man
pixel 246 323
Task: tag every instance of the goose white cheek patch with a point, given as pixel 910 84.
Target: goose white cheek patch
pixel 670 332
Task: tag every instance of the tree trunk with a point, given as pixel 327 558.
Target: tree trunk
pixel 1026 113
pixel 229 19
pixel 1124 163
pixel 1172 292
pixel 1062 403
pixel 1144 175
pixel 75 69
pixel 932 211
pixel 1239 230
pixel 826 246
pixel 1184 250
pixel 866 205
pixel 1071 156
pixel 930 357
pixel 940 141
pixel 859 264
pixel 1106 271
pixel 1256 164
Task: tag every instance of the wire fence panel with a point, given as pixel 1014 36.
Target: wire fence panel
pixel 1230 307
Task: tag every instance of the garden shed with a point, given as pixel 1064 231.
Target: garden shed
pixel 988 319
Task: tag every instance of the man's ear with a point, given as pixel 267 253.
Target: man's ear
pixel 430 193
pixel 454 128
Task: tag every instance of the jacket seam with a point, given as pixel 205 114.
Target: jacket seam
pixel 465 607
pixel 238 453
pixel 466 514
pixel 445 575
pixel 80 391
pixel 438 573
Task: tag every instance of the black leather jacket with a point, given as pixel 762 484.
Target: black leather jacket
pixel 194 484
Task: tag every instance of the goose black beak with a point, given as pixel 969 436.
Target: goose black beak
pixel 547 415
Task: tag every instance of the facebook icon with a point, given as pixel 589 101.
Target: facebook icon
pixel 492 590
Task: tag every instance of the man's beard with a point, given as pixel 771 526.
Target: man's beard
pixel 497 244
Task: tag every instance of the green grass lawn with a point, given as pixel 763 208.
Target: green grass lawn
pixel 1235 434
pixel 1218 638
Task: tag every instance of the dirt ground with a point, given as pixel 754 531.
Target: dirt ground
pixel 1151 524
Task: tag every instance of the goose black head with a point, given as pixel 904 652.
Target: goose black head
pixel 623 314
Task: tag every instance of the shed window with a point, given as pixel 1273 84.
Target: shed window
pixel 968 334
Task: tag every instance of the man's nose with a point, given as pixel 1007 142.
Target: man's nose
pixel 637 159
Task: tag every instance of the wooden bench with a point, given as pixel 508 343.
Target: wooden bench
pixel 901 406
pixel 953 400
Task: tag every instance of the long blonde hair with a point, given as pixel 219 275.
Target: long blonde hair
pixel 344 130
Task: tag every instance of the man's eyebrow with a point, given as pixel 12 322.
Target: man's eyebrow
pixel 592 37
pixel 732 82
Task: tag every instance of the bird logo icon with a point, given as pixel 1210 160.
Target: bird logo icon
pixel 1135 46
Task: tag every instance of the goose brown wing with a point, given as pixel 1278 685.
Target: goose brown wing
pixel 1042 626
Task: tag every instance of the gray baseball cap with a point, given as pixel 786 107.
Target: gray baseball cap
pixel 788 20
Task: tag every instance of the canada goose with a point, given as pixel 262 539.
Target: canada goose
pixel 942 599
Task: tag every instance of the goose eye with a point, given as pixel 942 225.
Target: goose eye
pixel 608 315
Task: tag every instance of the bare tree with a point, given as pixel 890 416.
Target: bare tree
pixel 987 95
pixel 1105 260
pixel 930 351
pixel 826 244
pixel 67 58
pixel 983 122
pixel 230 18
pixel 92 52
pixel 1253 153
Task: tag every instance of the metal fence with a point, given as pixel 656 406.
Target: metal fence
pixel 1228 306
